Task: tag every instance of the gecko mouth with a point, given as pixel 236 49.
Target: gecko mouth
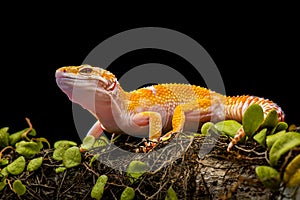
pixel 112 86
pixel 65 81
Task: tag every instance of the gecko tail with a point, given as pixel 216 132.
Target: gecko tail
pixel 237 105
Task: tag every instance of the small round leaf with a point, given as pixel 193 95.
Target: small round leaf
pixel 4 161
pixel 4 172
pixel 268 176
pixel 32 132
pixel 291 174
pixel 171 194
pixel 261 137
pixel 279 127
pixel 206 127
pixel 60 148
pixel 136 169
pixel 127 194
pixel 252 119
pixel 228 127
pixel 17 166
pixel 2 183
pixel 87 142
pixel 16 137
pixel 71 157
pixel 272 138
pixel 19 188
pixel 282 145
pixel 4 137
pixel 98 188
pixel 271 120
pixel 27 149
pixel 101 142
pixel 64 143
pixel 60 169
pixel 34 164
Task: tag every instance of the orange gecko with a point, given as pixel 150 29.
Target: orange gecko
pixel 155 112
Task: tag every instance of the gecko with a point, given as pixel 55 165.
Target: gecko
pixel 154 112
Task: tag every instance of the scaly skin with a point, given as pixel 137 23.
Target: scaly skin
pixel 151 111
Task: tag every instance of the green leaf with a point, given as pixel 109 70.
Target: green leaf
pixel 2 183
pixel 4 161
pixel 60 169
pixel 16 137
pixel 291 176
pixel 127 194
pixel 101 142
pixel 260 137
pixel 94 158
pixel 4 137
pixel 280 127
pixel 34 164
pixel 252 119
pixel 4 172
pixel 17 166
pixel 41 140
pixel 58 153
pixel 271 120
pixel 271 139
pixel 206 127
pixel 64 143
pixel 19 188
pixel 39 143
pixel 268 176
pixel 27 149
pixel 71 157
pixel 228 127
pixel 136 169
pixel 32 132
pixel 282 145
pixel 171 194
pixel 60 148
pixel 88 142
pixel 98 188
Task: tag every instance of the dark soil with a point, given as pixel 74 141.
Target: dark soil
pixel 196 168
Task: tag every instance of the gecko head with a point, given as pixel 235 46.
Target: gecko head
pixel 86 80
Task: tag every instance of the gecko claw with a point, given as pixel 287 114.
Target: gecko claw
pixel 149 146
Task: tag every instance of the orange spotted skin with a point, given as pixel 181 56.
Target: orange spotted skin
pixel 168 96
pixel 156 111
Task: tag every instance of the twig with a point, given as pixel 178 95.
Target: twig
pixel 60 185
pixel 24 135
pixel 41 185
pixel 88 168
pixel 113 194
pixel 250 150
pixel 4 149
pixel 286 159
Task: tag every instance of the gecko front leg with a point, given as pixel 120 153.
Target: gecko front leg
pixel 153 119
pixel 96 130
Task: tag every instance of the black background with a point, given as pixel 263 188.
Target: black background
pixel 255 56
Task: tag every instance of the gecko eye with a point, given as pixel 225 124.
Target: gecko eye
pixel 86 71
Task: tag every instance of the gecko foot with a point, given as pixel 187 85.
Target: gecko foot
pixel 147 147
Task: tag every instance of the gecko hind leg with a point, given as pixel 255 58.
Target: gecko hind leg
pixel 197 109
